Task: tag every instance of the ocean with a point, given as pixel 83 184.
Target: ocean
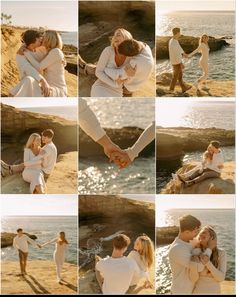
pixel 66 112
pixel 98 175
pixel 220 219
pixel 45 228
pixel 193 114
pixel 221 63
pixel 70 38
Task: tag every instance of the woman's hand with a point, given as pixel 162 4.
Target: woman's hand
pixel 120 81
pixel 121 159
pixel 45 88
pixel 195 259
pixel 204 259
pixel 130 71
pixel 148 285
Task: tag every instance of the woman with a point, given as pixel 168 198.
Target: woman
pixel 32 168
pixel 208 280
pixel 143 254
pixel 105 86
pixel 61 246
pixel 204 49
pixel 51 66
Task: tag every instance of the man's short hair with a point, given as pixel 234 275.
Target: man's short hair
pixel 19 230
pixel 175 31
pixel 129 47
pixel 121 241
pixel 189 223
pixel 215 143
pixel 48 133
pixel 30 36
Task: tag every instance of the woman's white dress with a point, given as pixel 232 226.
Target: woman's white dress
pixel 105 86
pixel 52 68
pixel 32 173
pixel 59 255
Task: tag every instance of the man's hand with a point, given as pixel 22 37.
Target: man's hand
pixel 130 71
pixel 204 259
pixel 45 88
pixel 21 50
pixel 120 81
pixel 120 159
pixel 109 147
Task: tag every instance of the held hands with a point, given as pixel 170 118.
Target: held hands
pixel 39 246
pixel 121 81
pixel 121 159
pixel 204 259
pixel 195 258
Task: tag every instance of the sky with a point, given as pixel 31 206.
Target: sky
pixel 164 202
pixel 194 5
pixel 39 205
pixel 57 15
pixel 39 102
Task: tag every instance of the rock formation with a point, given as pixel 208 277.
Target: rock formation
pixel 17 125
pixel 124 137
pixel 7 238
pixel 172 142
pixel 223 185
pixel 188 43
pixel 166 235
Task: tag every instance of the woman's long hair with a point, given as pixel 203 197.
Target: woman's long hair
pixel 52 39
pixel 31 140
pixel 201 38
pixel 126 34
pixel 147 250
pixel 62 238
pixel 215 252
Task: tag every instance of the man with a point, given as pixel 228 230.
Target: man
pixel 180 255
pixel 48 155
pixel 176 53
pixel 21 243
pixel 141 55
pixel 114 274
pixel 89 123
pixel 32 41
pixel 213 169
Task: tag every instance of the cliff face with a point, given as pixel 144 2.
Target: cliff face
pixel 92 207
pixel 188 43
pixel 17 125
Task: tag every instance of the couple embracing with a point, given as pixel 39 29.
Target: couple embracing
pixel 118 273
pixel 41 64
pixel 197 264
pixel 122 68
pixel 39 161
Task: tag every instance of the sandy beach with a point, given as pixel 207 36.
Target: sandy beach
pixel 11 41
pixel 40 279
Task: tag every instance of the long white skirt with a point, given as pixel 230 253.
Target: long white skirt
pixel 100 89
pixel 33 176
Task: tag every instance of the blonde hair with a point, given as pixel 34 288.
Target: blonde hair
pixel 126 34
pixel 201 38
pixel 215 252
pixel 62 238
pixel 31 140
pixel 147 250
pixel 52 39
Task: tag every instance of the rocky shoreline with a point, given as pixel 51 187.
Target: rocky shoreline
pixel 188 43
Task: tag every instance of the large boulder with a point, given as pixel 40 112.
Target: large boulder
pixel 222 185
pixel 188 43
pixel 166 235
